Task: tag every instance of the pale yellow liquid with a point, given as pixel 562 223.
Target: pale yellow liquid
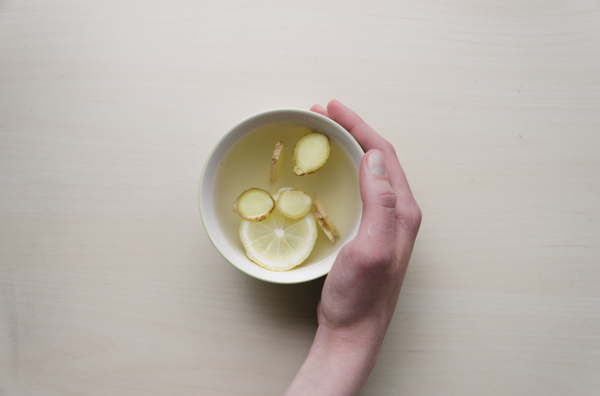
pixel 247 164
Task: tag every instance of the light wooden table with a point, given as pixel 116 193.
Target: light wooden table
pixel 108 110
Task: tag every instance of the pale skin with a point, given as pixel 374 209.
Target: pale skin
pixel 361 291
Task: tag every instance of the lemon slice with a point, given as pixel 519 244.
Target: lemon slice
pixel 279 243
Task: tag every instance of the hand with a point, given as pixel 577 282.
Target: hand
pixel 361 291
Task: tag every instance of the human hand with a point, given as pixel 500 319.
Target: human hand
pixel 362 288
pixel 361 291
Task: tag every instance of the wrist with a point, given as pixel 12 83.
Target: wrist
pixel 339 362
pixel 362 342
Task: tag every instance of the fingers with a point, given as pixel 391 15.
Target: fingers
pixel 317 108
pixel 362 132
pixel 369 139
pixel 377 230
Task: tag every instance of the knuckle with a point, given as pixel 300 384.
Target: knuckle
pixel 387 198
pixel 413 217
pixel 369 259
pixel 352 252
pixel 376 258
pixel 388 147
pixel 383 258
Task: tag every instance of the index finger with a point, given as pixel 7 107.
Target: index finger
pixel 369 139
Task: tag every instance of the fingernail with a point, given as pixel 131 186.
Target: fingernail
pixel 376 163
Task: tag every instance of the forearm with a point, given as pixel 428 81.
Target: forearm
pixel 338 363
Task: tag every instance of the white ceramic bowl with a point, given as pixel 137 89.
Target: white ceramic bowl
pixel 232 250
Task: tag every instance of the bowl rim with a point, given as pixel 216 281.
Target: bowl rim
pixel 247 119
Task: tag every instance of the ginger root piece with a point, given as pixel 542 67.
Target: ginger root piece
pixel 277 160
pixel 324 219
pixel 254 204
pixel 311 153
pixel 293 203
pixel 324 227
pixel 276 196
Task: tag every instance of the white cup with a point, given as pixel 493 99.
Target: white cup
pixel 232 251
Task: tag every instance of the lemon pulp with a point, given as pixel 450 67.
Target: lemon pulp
pixel 279 243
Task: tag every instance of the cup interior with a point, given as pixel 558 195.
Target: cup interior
pixel 228 245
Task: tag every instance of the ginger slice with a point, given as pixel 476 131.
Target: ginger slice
pixel 276 196
pixel 311 153
pixel 277 160
pixel 254 204
pixel 324 226
pixel 324 219
pixel 293 203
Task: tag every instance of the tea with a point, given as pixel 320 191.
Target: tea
pixel 247 165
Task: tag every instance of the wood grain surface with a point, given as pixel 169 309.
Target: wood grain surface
pixel 108 110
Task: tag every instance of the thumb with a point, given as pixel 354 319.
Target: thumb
pixel 379 203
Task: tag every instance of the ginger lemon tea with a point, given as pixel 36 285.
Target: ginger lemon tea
pixel 279 195
pixel 250 164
